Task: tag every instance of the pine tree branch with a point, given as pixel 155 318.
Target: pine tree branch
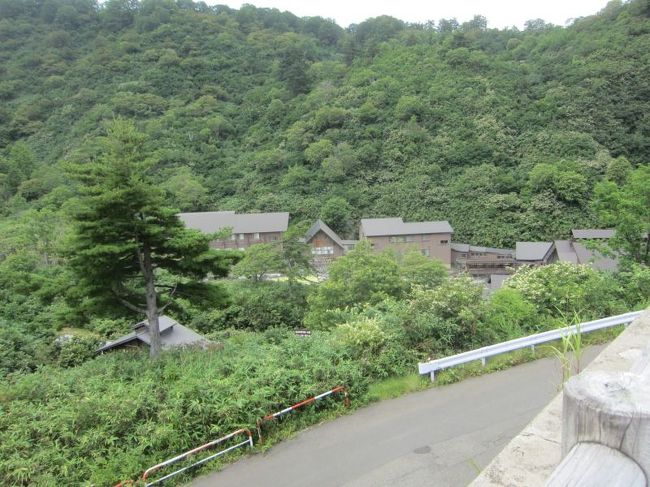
pixel 128 304
pixel 171 293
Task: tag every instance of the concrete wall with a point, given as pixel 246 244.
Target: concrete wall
pixel 530 458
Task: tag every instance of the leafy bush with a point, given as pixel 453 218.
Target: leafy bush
pixel 363 336
pixel 565 290
pixel 21 350
pixel 257 306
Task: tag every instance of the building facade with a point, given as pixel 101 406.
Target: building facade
pixel 432 239
pixel 481 261
pixel 246 229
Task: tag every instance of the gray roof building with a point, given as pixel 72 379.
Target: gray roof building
pixel 565 251
pixel 576 252
pixel 320 225
pixel 461 247
pixel 380 227
pixel 172 335
pixel 594 258
pixel 533 251
pixel 593 233
pixel 213 221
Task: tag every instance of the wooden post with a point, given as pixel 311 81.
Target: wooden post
pixel 613 410
pixel 591 464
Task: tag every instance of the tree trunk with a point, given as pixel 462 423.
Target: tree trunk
pixel 155 346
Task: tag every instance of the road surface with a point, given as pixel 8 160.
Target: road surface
pixel 439 437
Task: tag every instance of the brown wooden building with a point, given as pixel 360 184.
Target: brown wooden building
pixel 246 228
pixel 432 239
pixel 326 245
pixel 481 261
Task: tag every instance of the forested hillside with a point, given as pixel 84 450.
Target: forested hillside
pixel 502 132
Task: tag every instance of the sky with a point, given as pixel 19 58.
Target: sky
pixel 500 13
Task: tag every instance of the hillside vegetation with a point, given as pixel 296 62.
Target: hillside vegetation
pixel 502 132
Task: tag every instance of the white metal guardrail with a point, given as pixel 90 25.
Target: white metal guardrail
pixel 518 343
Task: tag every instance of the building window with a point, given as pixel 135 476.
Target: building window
pixel 401 239
pixel 425 252
pixel 410 238
pixel 241 236
pixel 274 238
pixel 444 242
pixel 322 250
pixel 425 238
pixel 256 236
pixel 233 237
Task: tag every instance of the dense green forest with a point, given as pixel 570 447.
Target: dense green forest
pixel 508 134
pixel 502 132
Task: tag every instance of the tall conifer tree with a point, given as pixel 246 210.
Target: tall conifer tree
pixel 126 236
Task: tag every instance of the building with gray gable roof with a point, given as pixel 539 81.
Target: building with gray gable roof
pixel 432 238
pixel 172 335
pixel 246 228
pixel 596 233
pixel 577 252
pixel 535 253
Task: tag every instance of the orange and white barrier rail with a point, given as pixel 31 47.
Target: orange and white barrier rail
pixel 248 441
pixel 291 409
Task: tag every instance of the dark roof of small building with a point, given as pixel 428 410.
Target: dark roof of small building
pixel 381 227
pixel 593 233
pixel 172 334
pixel 594 258
pixel 213 221
pixel 460 247
pixel 320 225
pixel 532 251
pixel 565 251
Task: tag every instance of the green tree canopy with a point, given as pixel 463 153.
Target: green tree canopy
pixel 126 236
pixel 360 277
pixel 626 207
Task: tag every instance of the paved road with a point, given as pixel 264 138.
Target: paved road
pixel 439 437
